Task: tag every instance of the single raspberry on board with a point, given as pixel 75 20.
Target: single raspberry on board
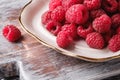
pixel 46 17
pixel 102 24
pixel 58 14
pixel 11 33
pixel 83 32
pixel 77 14
pixel 96 13
pixel 115 20
pixel 64 40
pixel 118 30
pixel 114 43
pixel 110 6
pixel 71 29
pixel 54 3
pixel 53 27
pixel 68 3
pixel 95 40
pixel 92 4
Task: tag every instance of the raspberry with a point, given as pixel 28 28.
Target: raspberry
pixel 96 21
pixel 110 5
pixel 71 29
pixel 96 13
pixel 46 17
pixel 68 3
pixel 92 4
pixel 95 40
pixel 107 36
pixel 114 43
pixel 102 24
pixel 77 14
pixel 118 30
pixel 53 27
pixel 11 33
pixel 58 14
pixel 119 5
pixel 54 3
pixel 63 39
pixel 115 20
pixel 83 32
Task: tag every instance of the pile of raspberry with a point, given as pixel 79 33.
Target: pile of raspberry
pixel 95 21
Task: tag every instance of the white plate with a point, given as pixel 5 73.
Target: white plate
pixel 30 20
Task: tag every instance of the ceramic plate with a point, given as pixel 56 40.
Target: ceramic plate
pixel 30 20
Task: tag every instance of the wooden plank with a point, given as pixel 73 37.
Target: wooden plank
pixel 38 62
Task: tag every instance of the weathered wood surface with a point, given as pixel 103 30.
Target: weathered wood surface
pixel 38 62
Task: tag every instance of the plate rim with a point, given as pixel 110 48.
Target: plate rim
pixel 52 47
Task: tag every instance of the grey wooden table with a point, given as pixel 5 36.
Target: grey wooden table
pixel 30 60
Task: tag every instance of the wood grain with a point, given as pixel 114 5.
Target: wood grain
pixel 38 62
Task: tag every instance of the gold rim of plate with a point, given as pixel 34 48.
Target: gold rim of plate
pixel 68 54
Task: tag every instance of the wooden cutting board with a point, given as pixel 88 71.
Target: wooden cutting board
pixel 38 62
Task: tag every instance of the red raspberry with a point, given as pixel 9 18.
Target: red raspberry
pixel 53 27
pixel 58 14
pixel 119 5
pixel 83 32
pixel 107 36
pixel 115 20
pixel 118 30
pixel 102 24
pixel 77 14
pixel 95 40
pixel 46 17
pixel 110 5
pixel 54 3
pixel 114 43
pixel 92 4
pixel 63 39
pixel 12 33
pixel 96 13
pixel 68 3
pixel 71 29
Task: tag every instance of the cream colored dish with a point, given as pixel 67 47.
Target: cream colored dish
pixel 30 20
